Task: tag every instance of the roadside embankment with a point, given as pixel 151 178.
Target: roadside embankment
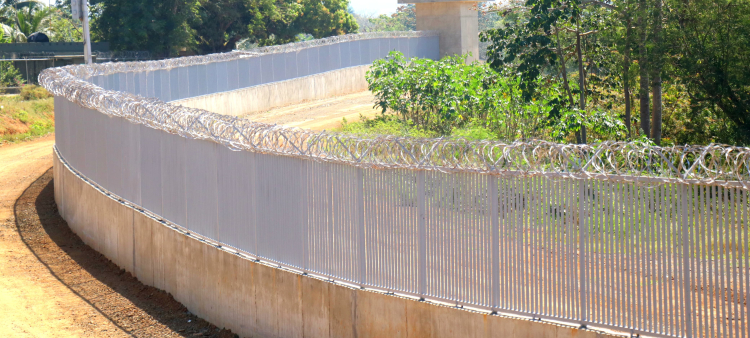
pixel 26 116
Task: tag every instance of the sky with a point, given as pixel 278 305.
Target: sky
pixel 375 7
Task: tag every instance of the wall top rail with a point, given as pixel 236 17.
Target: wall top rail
pixel 718 165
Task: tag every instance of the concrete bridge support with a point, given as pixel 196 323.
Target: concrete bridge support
pixel 457 22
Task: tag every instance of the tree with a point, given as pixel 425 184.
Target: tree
pixel 161 27
pixel 63 28
pixel 223 23
pixel 12 34
pixel 627 63
pixel 529 47
pixel 9 75
pixel 643 93
pixel 324 18
pixel 405 19
pixel 3 37
pixel 656 81
pixel 32 18
pixel 709 42
pixel 319 19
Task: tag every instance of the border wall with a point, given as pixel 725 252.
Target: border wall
pixel 283 232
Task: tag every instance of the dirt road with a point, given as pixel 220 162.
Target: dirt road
pixel 52 284
pixel 32 302
pixel 323 114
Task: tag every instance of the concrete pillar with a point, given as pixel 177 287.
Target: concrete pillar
pixel 456 20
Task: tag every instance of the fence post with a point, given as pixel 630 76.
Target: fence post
pixel 582 297
pixel 686 262
pixel 422 233
pixel 495 241
pixel 360 196
pixel 305 213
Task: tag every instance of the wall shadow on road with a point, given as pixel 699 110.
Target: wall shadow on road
pixel 136 309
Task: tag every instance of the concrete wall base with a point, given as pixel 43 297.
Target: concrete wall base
pixel 257 300
pixel 262 98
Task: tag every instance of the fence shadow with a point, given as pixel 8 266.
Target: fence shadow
pixel 136 309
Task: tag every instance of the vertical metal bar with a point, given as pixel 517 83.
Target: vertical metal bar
pixel 359 186
pixel 573 298
pixel 722 261
pixel 550 245
pixel 695 257
pixel 705 230
pixel 582 251
pixel 517 257
pixel 422 233
pixel 602 209
pixel 678 225
pixel 743 260
pixel 629 255
pixel 612 261
pixel 641 254
pixel 495 241
pixel 744 264
pixel 305 221
pixel 734 262
pixel 598 311
pixel 557 250
pixel 662 273
pixel 649 260
pixel 686 245
pixel 714 259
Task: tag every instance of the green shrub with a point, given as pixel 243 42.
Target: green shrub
pixel 22 116
pixel 452 98
pixel 9 75
pixel 43 106
pixel 473 133
pixel 32 92
pixel 384 125
pixel 41 127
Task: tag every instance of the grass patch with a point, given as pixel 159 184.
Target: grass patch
pixel 26 117
pixel 391 125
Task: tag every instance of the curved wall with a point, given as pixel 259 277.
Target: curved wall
pixel 182 214
pixel 238 70
pixel 511 228
pixel 246 101
pixel 260 299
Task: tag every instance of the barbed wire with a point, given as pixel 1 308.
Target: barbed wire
pixel 614 161
pixel 122 55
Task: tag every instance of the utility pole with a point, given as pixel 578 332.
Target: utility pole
pixel 80 10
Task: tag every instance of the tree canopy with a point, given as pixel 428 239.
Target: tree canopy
pixel 685 63
pixel 167 27
pixel 162 27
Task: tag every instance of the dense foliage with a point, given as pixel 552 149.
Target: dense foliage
pixel 161 27
pixel 168 27
pixel 672 71
pixel 448 97
pixel 404 19
pixel 19 19
pixel 9 75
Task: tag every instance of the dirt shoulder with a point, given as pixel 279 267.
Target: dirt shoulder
pixel 52 284
pixel 323 114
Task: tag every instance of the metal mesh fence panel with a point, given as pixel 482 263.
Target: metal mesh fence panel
pixel 642 239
